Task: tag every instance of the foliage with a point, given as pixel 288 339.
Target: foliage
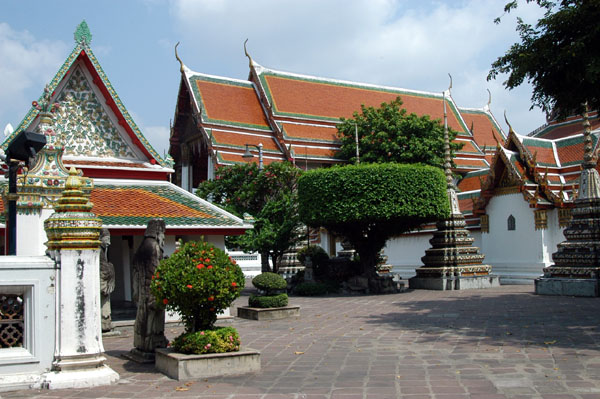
pixel 217 340
pixel 315 288
pixel 318 258
pixel 368 204
pixel 198 281
pixel 268 301
pixel 390 134
pixel 269 196
pixel 269 282
pixel 560 56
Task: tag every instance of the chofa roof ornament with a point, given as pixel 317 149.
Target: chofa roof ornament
pixel 82 34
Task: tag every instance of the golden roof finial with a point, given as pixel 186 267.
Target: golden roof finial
pixel 181 66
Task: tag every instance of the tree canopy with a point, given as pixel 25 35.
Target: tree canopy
pixel 370 203
pixel 560 56
pixel 390 134
pixel 269 196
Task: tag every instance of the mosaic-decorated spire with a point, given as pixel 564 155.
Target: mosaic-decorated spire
pixel 452 263
pixel 576 268
pixel 73 225
pixel 82 34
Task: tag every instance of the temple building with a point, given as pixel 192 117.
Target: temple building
pixel 128 181
pixel 515 191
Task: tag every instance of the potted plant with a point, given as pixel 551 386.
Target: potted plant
pixel 271 302
pixel 198 281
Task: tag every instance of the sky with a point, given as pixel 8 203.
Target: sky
pixel 409 44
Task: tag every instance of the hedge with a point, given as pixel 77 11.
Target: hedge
pixel 372 193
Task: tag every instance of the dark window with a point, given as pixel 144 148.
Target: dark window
pixel 511 223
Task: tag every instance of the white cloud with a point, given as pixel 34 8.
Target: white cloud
pixel 400 43
pixel 27 66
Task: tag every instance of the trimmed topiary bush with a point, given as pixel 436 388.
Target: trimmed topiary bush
pixel 270 287
pixel 198 281
pixel 268 301
pixel 370 203
pixel 269 282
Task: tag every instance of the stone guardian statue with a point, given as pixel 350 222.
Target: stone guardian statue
pixel 149 324
pixel 107 280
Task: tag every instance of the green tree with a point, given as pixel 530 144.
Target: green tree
pixel 390 134
pixel 370 203
pixel 560 56
pixel 269 196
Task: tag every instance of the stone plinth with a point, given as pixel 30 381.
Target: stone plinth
pixel 452 283
pixel 188 367
pixel 585 287
pixel 246 312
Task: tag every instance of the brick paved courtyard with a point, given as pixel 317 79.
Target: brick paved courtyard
pixel 498 343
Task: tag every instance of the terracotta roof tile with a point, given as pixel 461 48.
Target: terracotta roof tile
pixel 556 130
pixel 483 126
pixel 233 102
pixel 233 139
pixel 303 151
pixel 227 158
pixel 470 183
pixel 314 98
pixel 544 150
pixel 470 163
pixel 133 205
pixel 293 131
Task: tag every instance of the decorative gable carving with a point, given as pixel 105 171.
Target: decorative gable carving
pixel 83 124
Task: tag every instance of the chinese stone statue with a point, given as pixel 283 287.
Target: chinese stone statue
pixel 150 320
pixel 107 280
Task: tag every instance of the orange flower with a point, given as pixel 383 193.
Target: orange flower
pixel 209 267
pixel 165 301
pixel 199 265
pixel 211 298
pixel 234 284
pixel 190 286
pixel 207 260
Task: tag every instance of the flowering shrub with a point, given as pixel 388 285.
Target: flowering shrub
pixel 219 340
pixel 198 281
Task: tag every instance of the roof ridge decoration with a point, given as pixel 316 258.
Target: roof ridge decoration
pixel 181 64
pixel 82 34
pixel 250 60
pixel 82 49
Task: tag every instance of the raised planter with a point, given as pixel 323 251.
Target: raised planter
pixel 246 312
pixel 187 367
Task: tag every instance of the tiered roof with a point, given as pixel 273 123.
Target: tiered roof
pixel 295 116
pixel 546 172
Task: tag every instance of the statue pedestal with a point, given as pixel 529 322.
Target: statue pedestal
pixel 586 287
pixel 453 283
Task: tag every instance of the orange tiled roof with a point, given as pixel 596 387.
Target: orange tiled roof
pixel 226 158
pixel 308 97
pixel 483 126
pixel 292 131
pixel 472 163
pixel 543 148
pixel 228 101
pixel 231 138
pixel 131 202
pixel 307 151
pixel 570 127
